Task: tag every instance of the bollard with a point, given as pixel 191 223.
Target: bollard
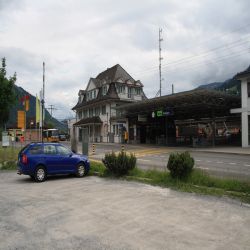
pixel 93 149
pixel 122 148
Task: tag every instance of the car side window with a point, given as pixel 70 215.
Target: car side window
pixel 37 149
pixel 49 149
pixel 63 151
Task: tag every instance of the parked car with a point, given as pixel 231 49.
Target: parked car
pixel 62 137
pixel 42 159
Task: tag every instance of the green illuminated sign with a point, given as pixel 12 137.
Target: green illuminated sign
pixel 159 113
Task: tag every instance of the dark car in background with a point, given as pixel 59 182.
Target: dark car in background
pixel 39 160
pixel 62 137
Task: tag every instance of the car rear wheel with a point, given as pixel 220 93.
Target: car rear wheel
pixel 81 170
pixel 40 174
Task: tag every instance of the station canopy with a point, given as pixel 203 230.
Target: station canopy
pixel 88 121
pixel 194 104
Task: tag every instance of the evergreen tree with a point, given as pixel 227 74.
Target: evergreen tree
pixel 7 94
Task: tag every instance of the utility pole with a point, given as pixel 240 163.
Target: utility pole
pixel 51 108
pixel 160 57
pixel 42 101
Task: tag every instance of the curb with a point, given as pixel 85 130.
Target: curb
pixel 219 152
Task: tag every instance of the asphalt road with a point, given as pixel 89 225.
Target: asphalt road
pixel 230 165
pixel 95 213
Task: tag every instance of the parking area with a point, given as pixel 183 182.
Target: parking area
pixel 96 213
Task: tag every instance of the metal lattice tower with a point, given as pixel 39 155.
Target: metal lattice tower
pixel 160 57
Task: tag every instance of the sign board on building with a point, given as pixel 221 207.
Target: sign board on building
pixel 159 113
pixel 142 118
pixel 5 139
pixel 20 119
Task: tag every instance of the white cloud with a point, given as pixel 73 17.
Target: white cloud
pixel 79 39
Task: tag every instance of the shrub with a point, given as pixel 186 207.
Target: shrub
pixel 180 165
pixel 8 165
pixel 119 164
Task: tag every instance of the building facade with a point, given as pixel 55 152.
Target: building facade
pixel 195 118
pixel 244 77
pixel 96 109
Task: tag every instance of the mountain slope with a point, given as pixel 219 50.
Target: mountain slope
pixel 31 114
pixel 231 86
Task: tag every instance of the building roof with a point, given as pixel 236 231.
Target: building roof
pixel 114 73
pixel 186 105
pixel 111 95
pixel 243 74
pixel 90 120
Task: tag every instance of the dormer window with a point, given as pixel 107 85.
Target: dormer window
pixel 120 88
pixel 129 92
pixel 137 91
pixel 91 95
pixel 104 90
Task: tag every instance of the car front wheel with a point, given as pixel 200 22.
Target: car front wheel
pixel 81 170
pixel 40 174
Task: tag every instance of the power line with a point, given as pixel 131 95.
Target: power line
pixel 219 59
pixel 227 46
pixel 197 67
pixel 51 108
pixel 192 64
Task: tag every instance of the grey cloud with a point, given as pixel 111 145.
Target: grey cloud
pixel 21 60
pixel 78 41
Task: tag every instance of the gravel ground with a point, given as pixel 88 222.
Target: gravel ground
pixel 94 213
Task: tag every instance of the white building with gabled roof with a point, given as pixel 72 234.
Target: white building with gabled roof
pixel 96 107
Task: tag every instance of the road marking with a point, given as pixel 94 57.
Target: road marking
pixel 232 163
pixel 197 160
pixel 143 159
pixel 203 168
pixel 220 162
pixel 246 165
pixel 208 161
pixel 145 152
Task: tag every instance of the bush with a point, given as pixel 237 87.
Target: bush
pixel 180 165
pixel 8 165
pixel 119 164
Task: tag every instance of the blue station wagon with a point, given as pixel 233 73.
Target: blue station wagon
pixel 42 159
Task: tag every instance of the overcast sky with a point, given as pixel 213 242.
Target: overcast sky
pixel 204 41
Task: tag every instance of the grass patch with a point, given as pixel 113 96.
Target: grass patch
pixel 8 158
pixel 97 168
pixel 9 165
pixel 198 182
pixel 8 154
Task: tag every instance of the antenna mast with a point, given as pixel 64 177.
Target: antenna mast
pixel 160 57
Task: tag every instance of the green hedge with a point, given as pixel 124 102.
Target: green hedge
pixel 180 165
pixel 119 164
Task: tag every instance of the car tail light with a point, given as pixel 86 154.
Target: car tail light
pixel 24 159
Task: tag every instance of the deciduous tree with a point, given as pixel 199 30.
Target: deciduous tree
pixel 7 93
